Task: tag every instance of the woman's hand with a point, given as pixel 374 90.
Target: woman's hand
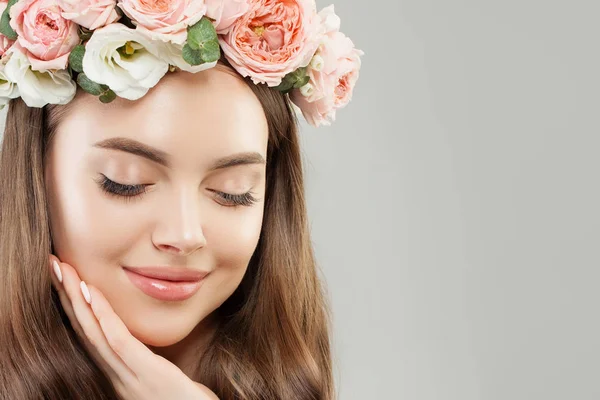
pixel 135 371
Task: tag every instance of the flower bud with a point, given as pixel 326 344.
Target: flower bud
pixel 307 90
pixel 317 63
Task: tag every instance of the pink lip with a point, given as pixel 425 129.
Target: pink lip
pixel 168 284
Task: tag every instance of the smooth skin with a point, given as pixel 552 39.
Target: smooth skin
pixel 135 371
pixel 184 218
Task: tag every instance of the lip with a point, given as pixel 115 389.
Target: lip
pixel 167 284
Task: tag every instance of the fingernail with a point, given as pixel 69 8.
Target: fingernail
pixel 86 292
pixel 57 271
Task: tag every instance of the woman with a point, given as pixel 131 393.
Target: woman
pixel 171 221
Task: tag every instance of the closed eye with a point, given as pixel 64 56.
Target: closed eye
pixel 129 192
pixel 234 200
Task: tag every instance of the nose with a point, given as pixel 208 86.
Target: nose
pixel 179 230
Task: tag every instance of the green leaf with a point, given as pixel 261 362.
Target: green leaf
pixel 285 86
pixel 191 56
pixel 202 44
pixel 11 3
pixel 293 80
pixel 108 96
pixel 5 27
pixel 76 58
pixel 301 82
pixel 200 33
pixel 88 85
pixel 210 52
pixel 299 74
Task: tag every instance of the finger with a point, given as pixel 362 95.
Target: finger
pixel 56 276
pixel 139 358
pixel 90 326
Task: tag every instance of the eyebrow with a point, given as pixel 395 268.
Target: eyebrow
pixel 162 158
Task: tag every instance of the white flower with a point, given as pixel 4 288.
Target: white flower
pixel 8 89
pixel 172 53
pixel 129 77
pixel 38 88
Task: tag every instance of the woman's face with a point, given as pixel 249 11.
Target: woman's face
pixel 176 141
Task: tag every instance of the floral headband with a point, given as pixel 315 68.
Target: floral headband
pixel 123 48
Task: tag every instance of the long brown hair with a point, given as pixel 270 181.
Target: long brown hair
pixel 273 341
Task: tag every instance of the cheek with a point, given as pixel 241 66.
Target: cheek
pixel 88 231
pixel 95 233
pixel 232 235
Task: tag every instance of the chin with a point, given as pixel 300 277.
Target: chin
pixel 159 332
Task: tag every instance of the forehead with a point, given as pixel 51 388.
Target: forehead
pixel 192 116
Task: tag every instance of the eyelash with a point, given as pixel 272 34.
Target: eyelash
pixel 130 192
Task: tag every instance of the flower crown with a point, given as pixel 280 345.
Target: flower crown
pixel 123 48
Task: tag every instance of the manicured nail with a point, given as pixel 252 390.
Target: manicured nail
pixel 86 292
pixel 57 271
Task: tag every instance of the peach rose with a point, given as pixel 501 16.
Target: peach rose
pixel 225 12
pixel 91 14
pixel 44 33
pixel 5 42
pixel 274 38
pixel 164 20
pixel 333 72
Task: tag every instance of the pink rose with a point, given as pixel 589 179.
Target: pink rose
pixel 164 20
pixel 47 36
pixel 5 43
pixel 91 14
pixel 274 38
pixel 333 73
pixel 225 12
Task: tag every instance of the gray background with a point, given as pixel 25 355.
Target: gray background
pixel 454 203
